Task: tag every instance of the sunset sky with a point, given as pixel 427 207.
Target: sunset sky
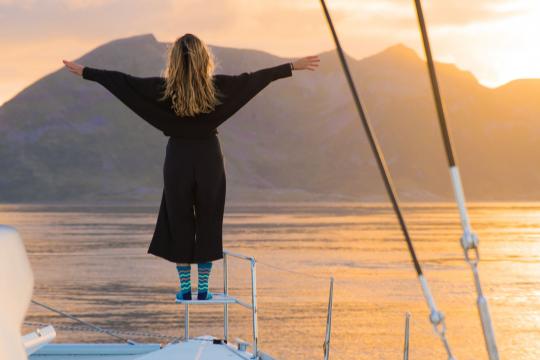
pixel 494 39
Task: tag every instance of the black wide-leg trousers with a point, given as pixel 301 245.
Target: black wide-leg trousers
pixel 190 220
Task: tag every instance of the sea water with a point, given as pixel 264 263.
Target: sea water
pixel 91 261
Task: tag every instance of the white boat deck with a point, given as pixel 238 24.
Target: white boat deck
pixel 93 351
pixel 201 348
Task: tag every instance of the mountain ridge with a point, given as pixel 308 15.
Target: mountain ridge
pixel 63 139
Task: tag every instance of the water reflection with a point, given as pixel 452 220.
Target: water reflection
pixel 92 261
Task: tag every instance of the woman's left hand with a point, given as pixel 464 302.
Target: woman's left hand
pixel 74 67
pixel 307 63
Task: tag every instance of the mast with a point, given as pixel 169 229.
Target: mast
pixel 436 317
pixel 469 240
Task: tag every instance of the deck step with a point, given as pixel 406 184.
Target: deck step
pixel 217 299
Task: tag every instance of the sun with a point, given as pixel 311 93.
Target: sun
pixel 507 49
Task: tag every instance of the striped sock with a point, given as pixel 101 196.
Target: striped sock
pixel 184 273
pixel 204 274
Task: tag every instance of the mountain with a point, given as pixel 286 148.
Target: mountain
pixel 67 139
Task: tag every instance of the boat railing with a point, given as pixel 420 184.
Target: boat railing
pixel 226 299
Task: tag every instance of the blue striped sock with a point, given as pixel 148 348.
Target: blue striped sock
pixel 204 275
pixel 184 273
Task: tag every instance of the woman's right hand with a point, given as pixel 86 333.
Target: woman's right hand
pixel 306 63
pixel 73 67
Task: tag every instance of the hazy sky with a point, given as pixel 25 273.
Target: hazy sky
pixel 495 39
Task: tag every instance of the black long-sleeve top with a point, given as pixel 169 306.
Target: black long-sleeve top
pixel 142 96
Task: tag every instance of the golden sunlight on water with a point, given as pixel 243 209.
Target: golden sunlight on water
pixel 92 262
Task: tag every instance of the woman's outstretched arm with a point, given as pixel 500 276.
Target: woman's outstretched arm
pixel 253 82
pixel 240 89
pixel 116 81
pixel 137 93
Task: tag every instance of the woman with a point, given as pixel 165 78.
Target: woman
pixel 187 105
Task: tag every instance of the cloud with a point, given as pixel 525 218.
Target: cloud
pixel 83 4
pixel 22 4
pixel 438 13
pixel 458 13
pixel 70 4
pixel 37 32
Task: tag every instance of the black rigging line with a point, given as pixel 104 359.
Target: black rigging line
pixel 435 87
pixel 392 194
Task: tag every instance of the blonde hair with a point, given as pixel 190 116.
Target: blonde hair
pixel 189 77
